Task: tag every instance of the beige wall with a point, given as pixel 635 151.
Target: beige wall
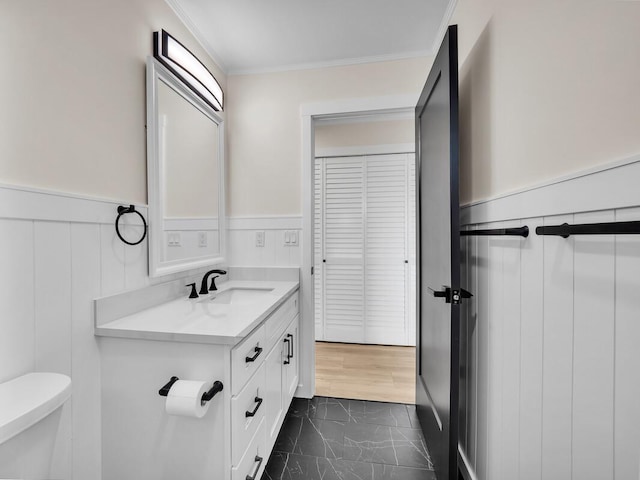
pixel 547 88
pixel 364 133
pixel 72 93
pixel 265 130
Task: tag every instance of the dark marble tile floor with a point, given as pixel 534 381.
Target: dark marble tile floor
pixel 338 439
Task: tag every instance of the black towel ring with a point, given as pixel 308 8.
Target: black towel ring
pixel 130 209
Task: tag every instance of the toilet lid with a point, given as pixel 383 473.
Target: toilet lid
pixel 26 400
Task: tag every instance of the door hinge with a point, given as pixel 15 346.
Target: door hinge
pixel 311 270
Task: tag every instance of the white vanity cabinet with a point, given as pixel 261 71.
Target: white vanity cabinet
pixel 266 396
pixel 234 439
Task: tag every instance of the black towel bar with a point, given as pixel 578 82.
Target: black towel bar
pixel 611 228
pixel 511 232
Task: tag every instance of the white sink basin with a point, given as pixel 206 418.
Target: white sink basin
pixel 238 295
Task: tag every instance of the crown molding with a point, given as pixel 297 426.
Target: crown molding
pixel 446 19
pixel 230 71
pixel 197 34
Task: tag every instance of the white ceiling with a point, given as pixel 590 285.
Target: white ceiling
pixel 245 36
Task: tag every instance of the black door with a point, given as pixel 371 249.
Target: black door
pixel 438 243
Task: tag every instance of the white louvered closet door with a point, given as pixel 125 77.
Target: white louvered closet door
pixel 343 249
pixel 385 249
pixel 364 213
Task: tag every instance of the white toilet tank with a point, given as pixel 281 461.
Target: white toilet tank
pixel 29 417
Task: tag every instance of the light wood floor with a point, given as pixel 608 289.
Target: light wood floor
pixel 366 372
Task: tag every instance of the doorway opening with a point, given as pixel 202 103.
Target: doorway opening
pixel 364 256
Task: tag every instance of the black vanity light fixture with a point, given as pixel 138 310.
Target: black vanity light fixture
pixel 177 58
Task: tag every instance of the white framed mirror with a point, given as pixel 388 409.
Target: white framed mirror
pixel 185 176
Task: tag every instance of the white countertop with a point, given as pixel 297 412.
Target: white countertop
pixel 200 320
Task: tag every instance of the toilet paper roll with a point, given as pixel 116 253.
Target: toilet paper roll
pixel 185 399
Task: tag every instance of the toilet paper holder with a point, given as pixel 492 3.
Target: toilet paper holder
pixel 217 387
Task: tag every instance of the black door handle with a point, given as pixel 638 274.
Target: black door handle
pixel 450 295
pixel 258 401
pixel 258 351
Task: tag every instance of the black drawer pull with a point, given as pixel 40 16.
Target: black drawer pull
pixel 255 473
pixel 288 360
pixel 258 401
pixel 290 343
pixel 258 351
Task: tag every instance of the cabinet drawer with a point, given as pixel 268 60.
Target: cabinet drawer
pixel 255 458
pixel 280 318
pixel 247 412
pixel 246 358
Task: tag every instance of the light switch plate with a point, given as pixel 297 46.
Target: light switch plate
pixel 260 238
pixel 202 239
pixel 290 238
pixel 173 239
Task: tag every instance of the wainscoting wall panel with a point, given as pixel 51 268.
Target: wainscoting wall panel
pixel 531 350
pixel 17 319
pixel 626 424
pixel 58 253
pixel 480 271
pixel 509 347
pixel 593 352
pixel 85 285
pixel 551 346
pixel 557 365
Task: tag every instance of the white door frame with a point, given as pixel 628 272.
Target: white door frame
pixel 309 113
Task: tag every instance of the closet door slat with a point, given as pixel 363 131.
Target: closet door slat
pixel 318 224
pixel 385 254
pixel 343 260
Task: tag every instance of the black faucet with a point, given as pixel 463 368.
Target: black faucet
pixel 204 289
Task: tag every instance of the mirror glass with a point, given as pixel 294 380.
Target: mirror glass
pixel 185 176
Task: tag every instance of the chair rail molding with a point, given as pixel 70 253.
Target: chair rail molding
pixel 30 203
pixel 574 193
